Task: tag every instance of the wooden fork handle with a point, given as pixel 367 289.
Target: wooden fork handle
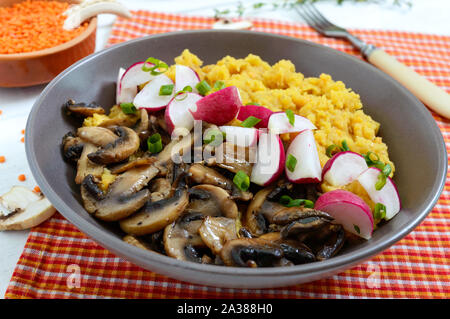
pixel 434 97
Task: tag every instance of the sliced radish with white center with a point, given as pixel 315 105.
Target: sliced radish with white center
pixel 178 113
pixel 270 160
pixel 219 107
pixel 348 210
pixel 279 123
pixel 148 98
pixel 185 76
pixel 131 79
pixel 119 77
pixel 388 195
pixel 240 136
pixel 343 168
pixel 260 112
pixel 303 149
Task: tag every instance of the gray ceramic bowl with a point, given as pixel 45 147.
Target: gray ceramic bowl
pixel 415 144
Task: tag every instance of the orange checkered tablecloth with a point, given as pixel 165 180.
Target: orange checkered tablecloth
pixel 416 267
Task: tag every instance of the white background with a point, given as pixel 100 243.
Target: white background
pixel 427 16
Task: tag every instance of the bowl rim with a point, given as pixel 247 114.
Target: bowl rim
pixel 92 27
pixel 140 256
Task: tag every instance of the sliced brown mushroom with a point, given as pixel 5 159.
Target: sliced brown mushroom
pixel 117 203
pixel 143 123
pixel 201 174
pixel 154 216
pixel 124 195
pixel 260 212
pixel 161 188
pixel 251 252
pixel 216 231
pixel 181 238
pixel 232 158
pixel 85 166
pixel 72 147
pixel 99 136
pixel 142 161
pixel 333 243
pixel 293 250
pixel 135 241
pixel 83 109
pixel 173 152
pixel 125 145
pixel 211 200
pixel 289 214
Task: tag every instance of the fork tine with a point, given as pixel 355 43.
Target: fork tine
pixel 308 18
pixel 317 15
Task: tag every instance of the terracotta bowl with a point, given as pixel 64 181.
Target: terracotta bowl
pixel 32 68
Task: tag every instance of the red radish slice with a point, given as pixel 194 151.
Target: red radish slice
pixel 148 98
pixel 270 160
pixel 240 136
pixel 219 107
pixel 119 76
pixel 349 210
pixel 343 168
pixel 185 76
pixel 388 195
pixel 308 169
pixel 131 79
pixel 178 114
pixel 260 112
pixel 279 124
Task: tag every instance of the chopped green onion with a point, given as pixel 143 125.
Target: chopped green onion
pixel 291 162
pixel 285 200
pixel 203 87
pixel 379 211
pixel 242 180
pixel 309 203
pixel 357 228
pixel 187 88
pixel 154 143
pixel 219 85
pixel 214 137
pixel 345 146
pixel 158 67
pixel 331 148
pixel 128 108
pixel 250 121
pixel 166 89
pixel 253 103
pixel 291 117
pixel 381 181
pixel 372 162
pixel 387 169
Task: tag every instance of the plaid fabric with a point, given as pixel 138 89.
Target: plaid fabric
pixel 416 267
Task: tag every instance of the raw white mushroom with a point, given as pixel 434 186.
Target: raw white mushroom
pixel 230 25
pixel 24 209
pixel 79 13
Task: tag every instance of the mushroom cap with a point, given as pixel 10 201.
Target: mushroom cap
pixel 120 149
pixel 155 216
pixel 72 147
pixel 201 174
pixel 99 136
pixel 216 231
pixel 115 204
pixel 253 252
pixel 181 238
pixel 211 200
pixel 83 109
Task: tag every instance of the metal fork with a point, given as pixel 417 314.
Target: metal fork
pixel 433 96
